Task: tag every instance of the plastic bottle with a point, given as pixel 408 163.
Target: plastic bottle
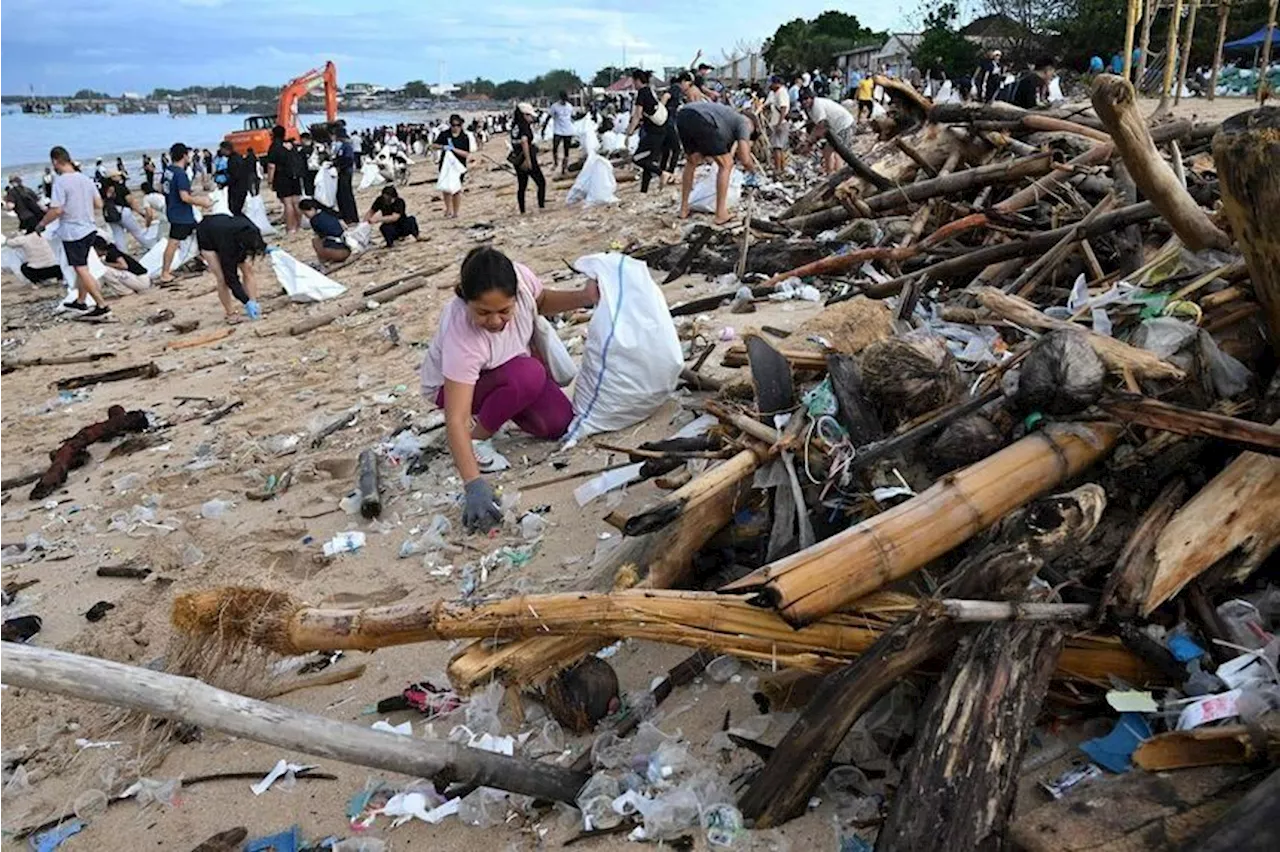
pixel 90 804
pixel 723 824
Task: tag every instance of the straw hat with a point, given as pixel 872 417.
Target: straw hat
pixel 526 108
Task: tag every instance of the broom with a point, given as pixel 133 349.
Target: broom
pixel 238 617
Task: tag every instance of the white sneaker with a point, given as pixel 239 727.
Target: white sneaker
pixel 489 459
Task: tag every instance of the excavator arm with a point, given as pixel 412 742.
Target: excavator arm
pixel 287 112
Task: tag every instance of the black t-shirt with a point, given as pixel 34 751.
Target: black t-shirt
pixel 647 100
pixel 284 159
pixel 1026 90
pixel 462 142
pixel 676 98
pixel 388 207
pixel 114 254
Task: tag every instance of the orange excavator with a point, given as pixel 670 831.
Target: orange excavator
pixel 256 136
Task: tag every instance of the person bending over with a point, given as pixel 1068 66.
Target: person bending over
pixel 830 121
pixel 482 370
pixel 38 263
pixel 712 132
pixel 228 245
pixel 124 275
pixel 388 213
pixel 328 242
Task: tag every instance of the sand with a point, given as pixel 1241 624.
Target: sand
pixel 292 386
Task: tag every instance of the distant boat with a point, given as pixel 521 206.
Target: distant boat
pixel 162 109
pixel 201 109
pixel 111 109
pixel 226 109
pixel 35 107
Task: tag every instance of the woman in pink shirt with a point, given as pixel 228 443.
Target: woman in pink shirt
pixel 482 370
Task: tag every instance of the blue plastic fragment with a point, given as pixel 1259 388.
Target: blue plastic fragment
pixel 1183 648
pixel 1114 752
pixel 47 841
pixel 289 840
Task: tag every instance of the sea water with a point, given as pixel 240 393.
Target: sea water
pixel 25 139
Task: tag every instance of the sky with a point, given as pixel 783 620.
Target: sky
pixel 59 48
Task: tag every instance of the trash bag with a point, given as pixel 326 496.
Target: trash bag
pixel 966 441
pixel 1055 91
pixel 451 172
pixel 12 260
pixel 1062 374
pixel 154 257
pixel 553 352
pixel 358 238
pixel 702 198
pixel 151 235
pixel 633 357
pixel 327 185
pixel 220 205
pixel 301 282
pixel 371 176
pixel 595 184
pixel 256 211
pixel 612 140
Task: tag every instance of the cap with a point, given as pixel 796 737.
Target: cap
pixel 526 108
pixel 775 79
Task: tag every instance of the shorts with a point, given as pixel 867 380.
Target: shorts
pixel 780 136
pixel 335 243
pixel 78 250
pixel 287 187
pixel 180 232
pixel 699 135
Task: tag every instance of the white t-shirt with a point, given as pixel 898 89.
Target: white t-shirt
pixel 838 118
pixel 562 119
pixel 777 102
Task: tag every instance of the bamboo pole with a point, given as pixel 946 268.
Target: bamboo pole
pixel 1131 20
pixel 725 624
pixel 1170 54
pixel 1224 12
pixel 1266 52
pixel 1148 17
pixel 188 700
pixel 866 557
pixel 1186 51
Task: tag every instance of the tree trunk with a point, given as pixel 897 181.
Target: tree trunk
pixel 965 181
pixel 1170 55
pixel 1115 102
pixel 190 701
pixel 960 778
pixel 1251 824
pixel 1224 12
pixel 1246 152
pixel 1186 51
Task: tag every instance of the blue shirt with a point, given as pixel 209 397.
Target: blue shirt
pixel 220 170
pixel 175 183
pixel 326 224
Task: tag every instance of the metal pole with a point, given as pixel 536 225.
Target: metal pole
pixel 1224 11
pixel 1186 50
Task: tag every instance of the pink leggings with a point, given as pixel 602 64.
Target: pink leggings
pixel 521 391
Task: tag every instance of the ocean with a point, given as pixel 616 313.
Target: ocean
pixel 25 139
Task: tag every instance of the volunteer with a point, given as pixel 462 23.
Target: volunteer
pixel 830 120
pixel 25 204
pixel 38 262
pixel 454 139
pixel 388 213
pixel 310 163
pixel 865 93
pixel 284 177
pixel 777 114
pixel 233 174
pixel 119 213
pixel 480 368
pixel 525 155
pixel 228 245
pixel 560 116
pixel 345 161
pixel 650 114
pixel 327 242
pixel 178 202
pixel 717 133
pixel 123 274
pixel 72 205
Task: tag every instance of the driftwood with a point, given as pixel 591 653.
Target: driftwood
pixel 74 452
pixel 192 702
pixel 11 364
pixel 1129 582
pixel 783 787
pixel 1156 414
pixel 384 296
pixel 1245 153
pixel 203 340
pixel 1035 272
pixel 901 540
pixel 1238 744
pixel 1253 823
pixel 1231 525
pixel 387 285
pixel 367 484
pixel 148 370
pixel 1115 101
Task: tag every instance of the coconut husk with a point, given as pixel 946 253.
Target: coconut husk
pixel 581 696
pixel 848 327
pixel 910 375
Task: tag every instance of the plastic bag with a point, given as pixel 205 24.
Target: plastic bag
pixel 12 260
pixel 219 199
pixel 702 199
pixel 371 176
pixel 451 172
pixel 554 353
pixel 633 357
pixel 154 258
pixel 595 184
pixel 359 237
pixel 301 282
pixel 327 185
pixel 256 210
pixel 612 140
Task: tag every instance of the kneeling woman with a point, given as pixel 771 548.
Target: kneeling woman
pixel 482 364
pixel 228 245
pixel 327 242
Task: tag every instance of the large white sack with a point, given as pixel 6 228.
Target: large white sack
pixel 359 237
pixel 702 198
pixel 612 140
pixel 370 175
pixel 327 185
pixel 256 211
pixel 595 184
pixel 96 266
pixel 220 205
pixel 633 358
pixel 451 172
pixel 12 260
pixel 1055 91
pixel 154 258
pixel 301 282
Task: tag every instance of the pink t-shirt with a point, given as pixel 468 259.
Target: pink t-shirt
pixel 462 350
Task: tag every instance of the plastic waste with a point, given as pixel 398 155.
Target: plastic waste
pixel 702 198
pixel 723 824
pixel 595 800
pixel 128 482
pixel 1114 752
pixel 300 281
pixel 595 184
pixel 255 209
pixel 47 841
pixel 553 352
pixel 722 668
pixel 451 172
pixel 90 804
pixel 481 713
pixel 670 814
pixel 532 525
pixel 214 509
pixel 633 357
pixel 370 175
pixel 605 482
pixel 346 542
pixel 282 769
pixel 152 791
pixel 483 807
pixel 360 844
pixel 327 185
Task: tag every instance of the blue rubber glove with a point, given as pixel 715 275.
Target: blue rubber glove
pixel 480 512
pixel 751 180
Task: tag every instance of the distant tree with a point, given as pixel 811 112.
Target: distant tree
pixel 416 90
pixel 607 75
pixel 942 47
pixel 479 86
pixel 801 45
pixel 510 90
pixel 556 81
pixel 90 94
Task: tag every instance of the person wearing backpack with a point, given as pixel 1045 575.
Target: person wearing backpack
pixel 650 114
